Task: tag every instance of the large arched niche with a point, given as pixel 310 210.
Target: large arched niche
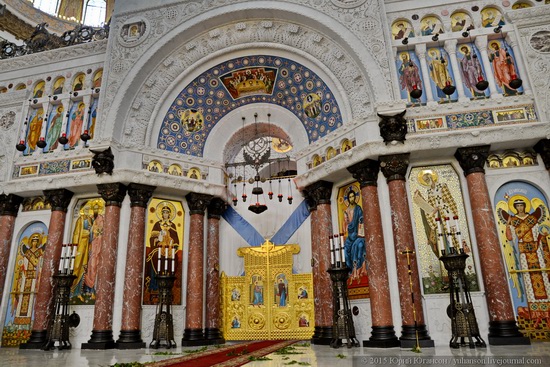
pixel 232 132
pixel 270 79
pixel 135 86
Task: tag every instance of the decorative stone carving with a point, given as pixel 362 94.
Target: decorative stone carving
pixel 112 193
pixel 197 202
pixel 216 208
pixel 540 41
pixel 394 167
pixel 366 172
pixel 318 193
pixel 362 18
pixel 103 161
pixel 393 128
pixel 7 120
pixel 472 159
pixel 58 199
pixel 9 204
pixel 140 194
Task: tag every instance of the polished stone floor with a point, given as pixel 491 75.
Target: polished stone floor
pixel 537 354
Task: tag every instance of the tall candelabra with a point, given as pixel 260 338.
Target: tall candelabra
pixel 163 333
pixel 461 309
pixel 342 320
pixel 58 329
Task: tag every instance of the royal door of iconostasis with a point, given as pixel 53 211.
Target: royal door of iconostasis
pixel 269 301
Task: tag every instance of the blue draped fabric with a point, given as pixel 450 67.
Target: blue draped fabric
pixel 245 229
pixel 291 225
pixel 251 235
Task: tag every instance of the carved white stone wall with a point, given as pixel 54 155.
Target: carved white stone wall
pixel 343 39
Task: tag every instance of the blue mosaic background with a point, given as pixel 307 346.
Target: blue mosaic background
pixel 208 95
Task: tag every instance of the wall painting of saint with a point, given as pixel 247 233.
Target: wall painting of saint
pixel 75 123
pixel 504 67
pixel 351 224
pixel 524 230
pixel 410 77
pixel 441 74
pixel 471 70
pixel 28 263
pixel 164 239
pixel 88 225
pixel 440 223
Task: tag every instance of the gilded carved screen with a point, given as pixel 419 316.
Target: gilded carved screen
pixel 269 301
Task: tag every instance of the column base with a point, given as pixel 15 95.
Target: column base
pixel 408 337
pixel 100 339
pixel 382 337
pixel 130 339
pixel 214 335
pixel 193 338
pixel 36 341
pixel 322 335
pixel 506 333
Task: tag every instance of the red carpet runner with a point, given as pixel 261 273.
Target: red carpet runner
pixel 230 356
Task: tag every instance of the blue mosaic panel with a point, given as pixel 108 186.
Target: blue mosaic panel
pixel 53 167
pixel 241 81
pixel 472 119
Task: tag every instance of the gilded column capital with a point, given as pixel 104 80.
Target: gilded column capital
pixel 140 194
pixel 318 193
pixel 366 172
pixel 198 202
pixel 9 204
pixel 112 193
pixel 543 148
pixel 58 199
pixel 394 166
pixel 216 207
pixel 472 159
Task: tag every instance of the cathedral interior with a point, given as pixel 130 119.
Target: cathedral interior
pixel 372 174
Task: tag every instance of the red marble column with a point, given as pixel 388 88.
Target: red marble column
pixel 44 302
pixel 413 328
pixel 212 330
pixel 9 207
pixel 503 329
pixel 102 332
pixel 130 330
pixel 383 334
pixel 318 196
pixel 193 333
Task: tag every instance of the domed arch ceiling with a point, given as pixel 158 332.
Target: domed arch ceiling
pixel 242 81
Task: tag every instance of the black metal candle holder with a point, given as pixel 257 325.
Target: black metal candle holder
pixel 461 309
pixel 58 330
pixel 163 334
pixel 342 321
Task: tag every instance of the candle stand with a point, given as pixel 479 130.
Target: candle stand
pixel 58 330
pixel 342 321
pixel 461 309
pixel 163 334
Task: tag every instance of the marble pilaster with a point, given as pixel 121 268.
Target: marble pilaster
pixel 44 303
pixel 212 330
pixel 413 328
pixel 503 329
pixel 9 207
pixel 420 50
pixel 383 333
pixel 102 333
pixel 318 197
pixel 130 333
pixel 193 333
